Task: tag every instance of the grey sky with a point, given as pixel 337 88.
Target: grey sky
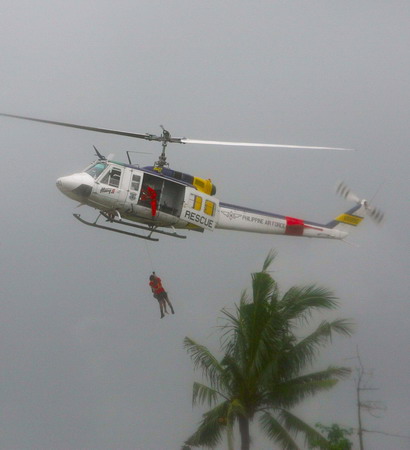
pixel 85 361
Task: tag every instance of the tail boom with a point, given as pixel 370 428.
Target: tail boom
pixel 239 218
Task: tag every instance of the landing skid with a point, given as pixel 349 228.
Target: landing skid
pixel 122 222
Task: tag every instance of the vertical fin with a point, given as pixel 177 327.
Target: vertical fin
pixel 349 219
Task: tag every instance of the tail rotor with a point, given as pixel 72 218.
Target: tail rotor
pixel 344 191
pixel 374 213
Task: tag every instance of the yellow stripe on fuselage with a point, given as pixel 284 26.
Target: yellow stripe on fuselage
pixel 349 219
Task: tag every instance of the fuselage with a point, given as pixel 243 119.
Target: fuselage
pixel 165 198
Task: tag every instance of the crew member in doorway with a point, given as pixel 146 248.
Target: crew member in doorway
pixel 160 294
pixel 150 194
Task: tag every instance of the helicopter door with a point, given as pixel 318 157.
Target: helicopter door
pixel 109 187
pixel 134 187
pixel 169 196
pixel 172 198
pixel 200 209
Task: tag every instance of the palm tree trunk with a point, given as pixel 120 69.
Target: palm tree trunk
pixel 244 430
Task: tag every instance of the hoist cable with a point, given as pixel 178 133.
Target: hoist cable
pixel 149 256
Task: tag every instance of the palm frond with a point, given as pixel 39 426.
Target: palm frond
pixel 234 372
pixel 275 431
pixel 204 394
pixel 269 259
pixel 267 349
pixel 263 286
pixel 296 426
pixel 235 339
pixel 205 360
pixel 291 392
pixel 298 303
pixel 209 431
pixel 233 323
pixel 306 350
pixel 292 398
pixel 243 330
pixel 258 329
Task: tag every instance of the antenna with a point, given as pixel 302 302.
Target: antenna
pixel 100 156
pixel 133 151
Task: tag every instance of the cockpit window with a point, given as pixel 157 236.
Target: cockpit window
pixel 112 177
pixel 96 169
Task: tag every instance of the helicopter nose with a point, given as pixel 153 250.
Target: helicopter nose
pixel 66 184
pixel 77 186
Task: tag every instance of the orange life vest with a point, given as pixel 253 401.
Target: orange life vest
pixel 156 286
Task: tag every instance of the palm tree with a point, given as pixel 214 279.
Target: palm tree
pixel 262 374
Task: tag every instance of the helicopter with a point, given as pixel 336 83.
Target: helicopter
pixel 159 200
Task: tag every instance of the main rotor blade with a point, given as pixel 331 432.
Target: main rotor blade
pixel 82 127
pixel 168 138
pixel 254 144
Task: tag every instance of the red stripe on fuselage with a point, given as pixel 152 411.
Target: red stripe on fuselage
pixel 294 226
pixel 313 228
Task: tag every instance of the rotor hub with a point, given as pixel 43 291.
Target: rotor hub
pixel 164 139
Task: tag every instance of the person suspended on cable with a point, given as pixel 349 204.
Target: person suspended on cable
pixel 160 294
